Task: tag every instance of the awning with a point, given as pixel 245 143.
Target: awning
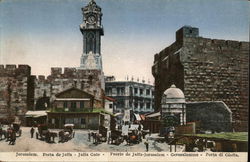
pixel 142 117
pixel 68 125
pixel 35 114
pixel 137 117
pixel 153 115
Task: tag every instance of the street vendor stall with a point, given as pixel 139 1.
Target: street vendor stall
pixel 35 117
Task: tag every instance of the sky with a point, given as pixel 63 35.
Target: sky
pixel 45 33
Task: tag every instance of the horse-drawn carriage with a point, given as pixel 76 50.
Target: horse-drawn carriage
pixel 67 133
pixel 102 135
pixel 116 137
pixel 16 127
pixel 134 137
pixel 44 133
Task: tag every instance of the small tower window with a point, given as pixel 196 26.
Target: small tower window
pixel 90 42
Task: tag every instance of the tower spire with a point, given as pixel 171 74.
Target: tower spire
pixel 92 31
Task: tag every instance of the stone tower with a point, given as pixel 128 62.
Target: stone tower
pixel 92 31
pixel 205 69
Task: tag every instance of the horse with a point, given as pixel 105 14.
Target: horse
pixel 9 134
pixel 53 135
pixel 61 136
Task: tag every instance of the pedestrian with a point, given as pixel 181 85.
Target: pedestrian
pixel 94 138
pixel 32 130
pixel 146 144
pixel 139 128
pixel 12 137
pixel 109 136
pixel 139 136
pixel 143 135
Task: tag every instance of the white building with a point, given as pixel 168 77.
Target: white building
pixel 135 96
pixel 174 103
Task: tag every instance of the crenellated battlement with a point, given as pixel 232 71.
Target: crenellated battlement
pixel 12 70
pixel 68 72
pixel 218 45
pixel 190 34
pixel 232 44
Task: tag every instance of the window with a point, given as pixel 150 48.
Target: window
pixel 122 91
pixel 141 91
pixel 136 105
pixel 136 90
pixel 65 105
pixel 108 91
pixel 148 105
pixel 110 106
pixel 147 92
pixel 73 106
pixel 81 104
pixel 83 121
pixel 118 91
pixel 141 105
pixel 130 91
pixel 90 42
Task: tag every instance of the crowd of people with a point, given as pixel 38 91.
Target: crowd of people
pixel 97 137
pixel 132 136
pixel 8 133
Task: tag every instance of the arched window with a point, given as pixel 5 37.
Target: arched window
pixel 90 42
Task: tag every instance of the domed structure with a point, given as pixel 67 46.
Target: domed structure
pixel 174 103
pixel 173 95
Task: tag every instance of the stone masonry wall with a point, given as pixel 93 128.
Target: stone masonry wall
pixel 216 70
pixel 16 91
pixel 206 70
pixel 91 81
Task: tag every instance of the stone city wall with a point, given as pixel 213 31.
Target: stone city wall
pixel 216 70
pixel 206 70
pixel 91 81
pixel 16 91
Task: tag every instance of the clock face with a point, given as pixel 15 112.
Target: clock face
pixel 91 19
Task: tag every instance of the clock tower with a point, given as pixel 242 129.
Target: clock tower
pixel 92 31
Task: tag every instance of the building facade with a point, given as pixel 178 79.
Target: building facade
pixel 74 106
pixel 135 96
pixel 205 70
